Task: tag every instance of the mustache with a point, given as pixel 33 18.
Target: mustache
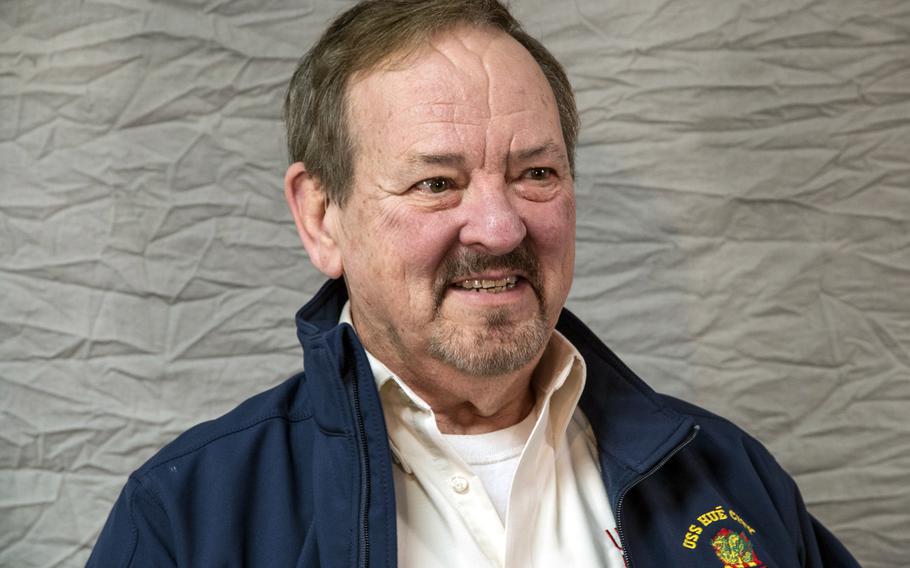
pixel 467 262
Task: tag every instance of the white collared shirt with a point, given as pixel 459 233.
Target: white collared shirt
pixel 556 508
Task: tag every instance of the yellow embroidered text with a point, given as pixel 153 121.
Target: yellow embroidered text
pixel 717 514
pixel 692 537
pixel 739 520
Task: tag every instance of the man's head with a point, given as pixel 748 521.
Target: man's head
pixel 455 232
pixel 370 35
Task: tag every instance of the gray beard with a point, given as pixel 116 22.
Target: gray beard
pixel 499 349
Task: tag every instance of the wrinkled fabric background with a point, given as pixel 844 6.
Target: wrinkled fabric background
pixel 743 234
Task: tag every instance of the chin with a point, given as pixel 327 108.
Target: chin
pixel 496 348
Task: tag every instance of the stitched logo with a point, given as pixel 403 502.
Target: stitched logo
pixel 734 550
pixel 716 515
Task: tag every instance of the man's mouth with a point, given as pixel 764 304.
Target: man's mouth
pixel 488 286
pixel 468 271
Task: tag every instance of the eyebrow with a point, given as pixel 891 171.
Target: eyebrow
pixel 547 148
pixel 455 159
pixel 445 159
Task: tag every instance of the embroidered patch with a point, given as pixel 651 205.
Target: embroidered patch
pixel 706 519
pixel 734 550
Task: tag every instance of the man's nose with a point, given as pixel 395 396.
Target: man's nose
pixel 492 221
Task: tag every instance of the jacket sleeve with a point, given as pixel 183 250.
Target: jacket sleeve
pixel 820 546
pixel 817 546
pixel 830 550
pixel 137 533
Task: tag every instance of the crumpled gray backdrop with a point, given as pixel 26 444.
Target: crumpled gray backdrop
pixel 744 212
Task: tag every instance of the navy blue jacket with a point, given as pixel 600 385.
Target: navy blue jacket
pixel 301 475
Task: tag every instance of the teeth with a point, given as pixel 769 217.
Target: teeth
pixel 489 286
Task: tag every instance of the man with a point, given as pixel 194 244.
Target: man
pixel 451 413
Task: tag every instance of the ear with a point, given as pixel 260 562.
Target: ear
pixel 311 210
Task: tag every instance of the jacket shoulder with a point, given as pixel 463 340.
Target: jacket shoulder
pixel 219 482
pixel 740 465
pixel 721 432
pixel 283 404
pixel 700 414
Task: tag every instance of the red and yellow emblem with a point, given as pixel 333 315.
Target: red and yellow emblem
pixel 734 550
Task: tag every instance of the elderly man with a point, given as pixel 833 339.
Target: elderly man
pixel 451 413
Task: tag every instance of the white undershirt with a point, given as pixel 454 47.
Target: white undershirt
pixel 494 456
pixel 547 507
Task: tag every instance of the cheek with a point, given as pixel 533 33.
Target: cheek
pixel 568 219
pixel 411 243
pixel 553 231
pixel 552 225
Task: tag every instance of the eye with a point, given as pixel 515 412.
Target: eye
pixel 435 185
pixel 539 174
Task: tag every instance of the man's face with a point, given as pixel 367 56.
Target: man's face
pixel 458 239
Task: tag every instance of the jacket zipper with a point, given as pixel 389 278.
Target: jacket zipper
pixel 646 475
pixel 364 538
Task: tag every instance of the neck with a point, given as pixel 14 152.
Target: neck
pixel 481 405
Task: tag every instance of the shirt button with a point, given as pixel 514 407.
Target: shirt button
pixel 459 484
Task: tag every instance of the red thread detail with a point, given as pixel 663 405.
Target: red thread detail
pixel 613 540
pixel 616 544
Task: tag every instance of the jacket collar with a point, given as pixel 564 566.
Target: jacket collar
pixel 635 430
pixel 321 313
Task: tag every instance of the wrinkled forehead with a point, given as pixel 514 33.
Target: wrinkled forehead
pixel 467 75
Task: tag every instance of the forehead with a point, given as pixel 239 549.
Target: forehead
pixel 462 80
